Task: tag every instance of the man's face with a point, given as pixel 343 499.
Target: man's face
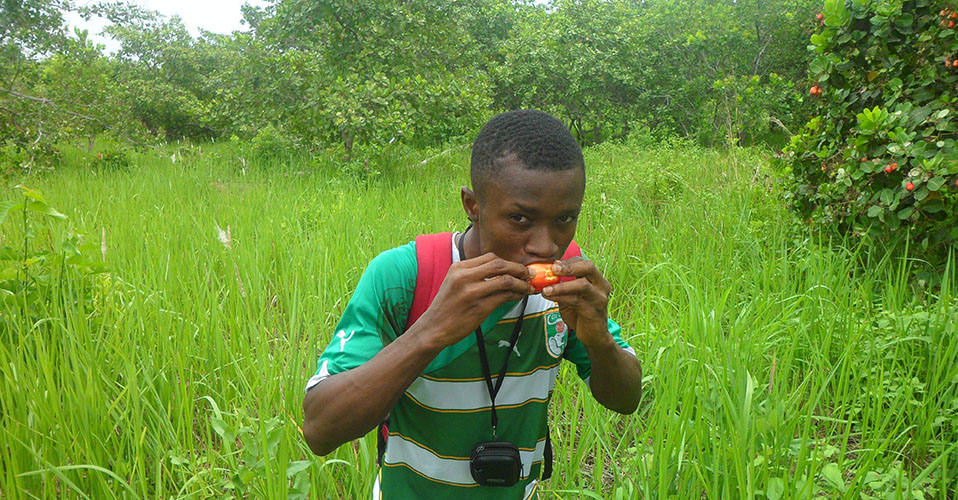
pixel 527 215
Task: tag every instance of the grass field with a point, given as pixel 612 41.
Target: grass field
pixel 776 365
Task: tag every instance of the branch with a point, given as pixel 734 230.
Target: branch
pixel 780 124
pixel 43 100
pixel 433 157
pixel 758 57
pixel 49 102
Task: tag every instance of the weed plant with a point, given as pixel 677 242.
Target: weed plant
pixel 775 364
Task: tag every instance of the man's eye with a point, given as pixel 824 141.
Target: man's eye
pixel 566 219
pixel 518 218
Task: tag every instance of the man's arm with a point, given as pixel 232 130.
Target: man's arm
pixel 616 379
pixel 347 405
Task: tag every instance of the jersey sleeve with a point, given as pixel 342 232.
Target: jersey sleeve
pixel 375 315
pixel 576 353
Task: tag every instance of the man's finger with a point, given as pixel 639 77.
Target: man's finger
pixel 579 289
pixel 500 267
pixel 581 268
pixel 505 283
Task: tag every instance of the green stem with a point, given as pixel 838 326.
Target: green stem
pixel 23 262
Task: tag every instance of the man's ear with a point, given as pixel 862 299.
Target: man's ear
pixel 470 203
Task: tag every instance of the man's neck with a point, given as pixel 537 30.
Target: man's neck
pixel 470 243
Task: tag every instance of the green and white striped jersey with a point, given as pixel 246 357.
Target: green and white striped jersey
pixel 439 419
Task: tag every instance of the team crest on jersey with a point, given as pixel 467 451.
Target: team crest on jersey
pixel 556 333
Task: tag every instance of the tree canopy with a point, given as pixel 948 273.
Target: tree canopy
pixel 338 73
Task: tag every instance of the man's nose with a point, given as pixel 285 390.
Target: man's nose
pixel 541 244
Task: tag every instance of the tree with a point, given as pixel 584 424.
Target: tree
pixel 29 29
pixel 880 156
pixel 375 70
pixel 79 76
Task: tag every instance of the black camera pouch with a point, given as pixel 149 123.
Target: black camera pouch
pixel 495 463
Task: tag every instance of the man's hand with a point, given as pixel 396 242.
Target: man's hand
pixel 471 290
pixel 583 303
pixel 616 379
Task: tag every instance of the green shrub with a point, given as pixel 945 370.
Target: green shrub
pixel 880 157
pixel 747 109
pixel 271 144
pixel 111 160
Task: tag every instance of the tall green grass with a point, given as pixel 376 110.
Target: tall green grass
pixel 776 365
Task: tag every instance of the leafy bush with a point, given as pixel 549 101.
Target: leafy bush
pixel 270 144
pixel 111 160
pixel 880 157
pixel 16 158
pixel 747 108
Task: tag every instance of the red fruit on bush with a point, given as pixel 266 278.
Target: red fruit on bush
pixel 954 64
pixel 544 275
pixel 951 24
pixel 819 16
pixel 910 186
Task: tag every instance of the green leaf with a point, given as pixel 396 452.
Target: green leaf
pixel 921 193
pixel 918 115
pixel 31 193
pixel 43 208
pixel 905 213
pixel 905 20
pixel 933 206
pixel 220 427
pixel 296 467
pixel 833 475
pixel 935 183
pixel 836 14
pixel 8 206
pixel 874 211
pixel 775 488
pixel 886 196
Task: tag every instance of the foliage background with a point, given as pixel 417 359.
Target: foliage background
pixel 337 73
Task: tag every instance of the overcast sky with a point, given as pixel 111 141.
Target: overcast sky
pixel 219 16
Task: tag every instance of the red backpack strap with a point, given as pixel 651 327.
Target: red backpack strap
pixel 572 251
pixel 433 258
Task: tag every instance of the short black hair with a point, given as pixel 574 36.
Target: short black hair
pixel 538 140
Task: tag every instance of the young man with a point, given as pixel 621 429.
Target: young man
pixel 457 427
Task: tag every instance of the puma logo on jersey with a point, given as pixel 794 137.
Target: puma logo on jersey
pixel 505 343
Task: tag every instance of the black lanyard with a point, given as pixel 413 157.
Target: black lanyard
pixel 484 360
